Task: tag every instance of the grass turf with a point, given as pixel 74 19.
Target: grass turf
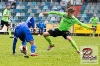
pixel 63 54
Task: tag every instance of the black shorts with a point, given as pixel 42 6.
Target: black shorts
pixel 4 23
pixel 57 32
pixel 95 27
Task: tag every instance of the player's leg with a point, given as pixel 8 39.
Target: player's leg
pixel 72 43
pixel 66 35
pixel 24 43
pixel 52 32
pixel 46 36
pixel 2 25
pixel 24 47
pixel 41 31
pixel 20 33
pixel 29 38
pixel 9 29
pixel 25 37
pixel 93 33
pixel 33 48
pixel 14 45
pixel 14 42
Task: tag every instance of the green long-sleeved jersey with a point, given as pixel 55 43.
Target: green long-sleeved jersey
pixel 6 12
pixel 94 21
pixel 66 22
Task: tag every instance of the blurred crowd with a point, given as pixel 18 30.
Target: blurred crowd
pixel 93 1
pixel 12 3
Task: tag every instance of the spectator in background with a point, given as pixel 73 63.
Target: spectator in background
pixel 42 0
pixel 63 3
pixel 10 0
pixel 68 4
pixel 93 1
pixel 58 1
pixel 12 3
pixel 31 0
pixel 86 1
pixel 7 3
pixel 41 26
pixel 96 1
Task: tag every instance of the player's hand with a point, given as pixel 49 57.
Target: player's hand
pixel 34 30
pixel 44 13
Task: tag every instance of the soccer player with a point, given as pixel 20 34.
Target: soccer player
pixel 5 17
pixel 23 33
pixel 41 26
pixel 94 20
pixel 63 29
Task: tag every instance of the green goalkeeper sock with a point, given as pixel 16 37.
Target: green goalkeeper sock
pixel 74 45
pixel 9 31
pixel 48 39
pixel 93 33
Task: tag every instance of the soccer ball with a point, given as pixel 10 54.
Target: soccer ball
pixel 21 48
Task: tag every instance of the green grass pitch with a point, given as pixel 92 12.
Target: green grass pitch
pixel 63 54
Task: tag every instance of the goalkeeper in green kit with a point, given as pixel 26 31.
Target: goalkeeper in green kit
pixel 66 22
pixel 5 18
pixel 94 20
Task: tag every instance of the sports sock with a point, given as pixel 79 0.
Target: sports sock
pixel 33 48
pixel 48 39
pixel 9 31
pixel 23 43
pixel 93 33
pixel 74 45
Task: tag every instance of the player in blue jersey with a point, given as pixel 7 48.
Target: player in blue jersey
pixel 41 26
pixel 23 33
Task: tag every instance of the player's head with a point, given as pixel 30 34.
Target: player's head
pixel 70 11
pixel 95 15
pixel 31 19
pixel 8 6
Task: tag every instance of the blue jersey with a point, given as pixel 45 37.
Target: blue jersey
pixel 23 33
pixel 41 25
pixel 28 24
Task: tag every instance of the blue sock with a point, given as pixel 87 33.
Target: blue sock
pixel 33 48
pixel 23 43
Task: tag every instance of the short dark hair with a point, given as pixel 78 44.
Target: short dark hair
pixel 71 10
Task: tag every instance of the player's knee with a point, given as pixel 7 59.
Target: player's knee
pixel 68 38
pixel 31 42
pixel 8 26
pixel 45 34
